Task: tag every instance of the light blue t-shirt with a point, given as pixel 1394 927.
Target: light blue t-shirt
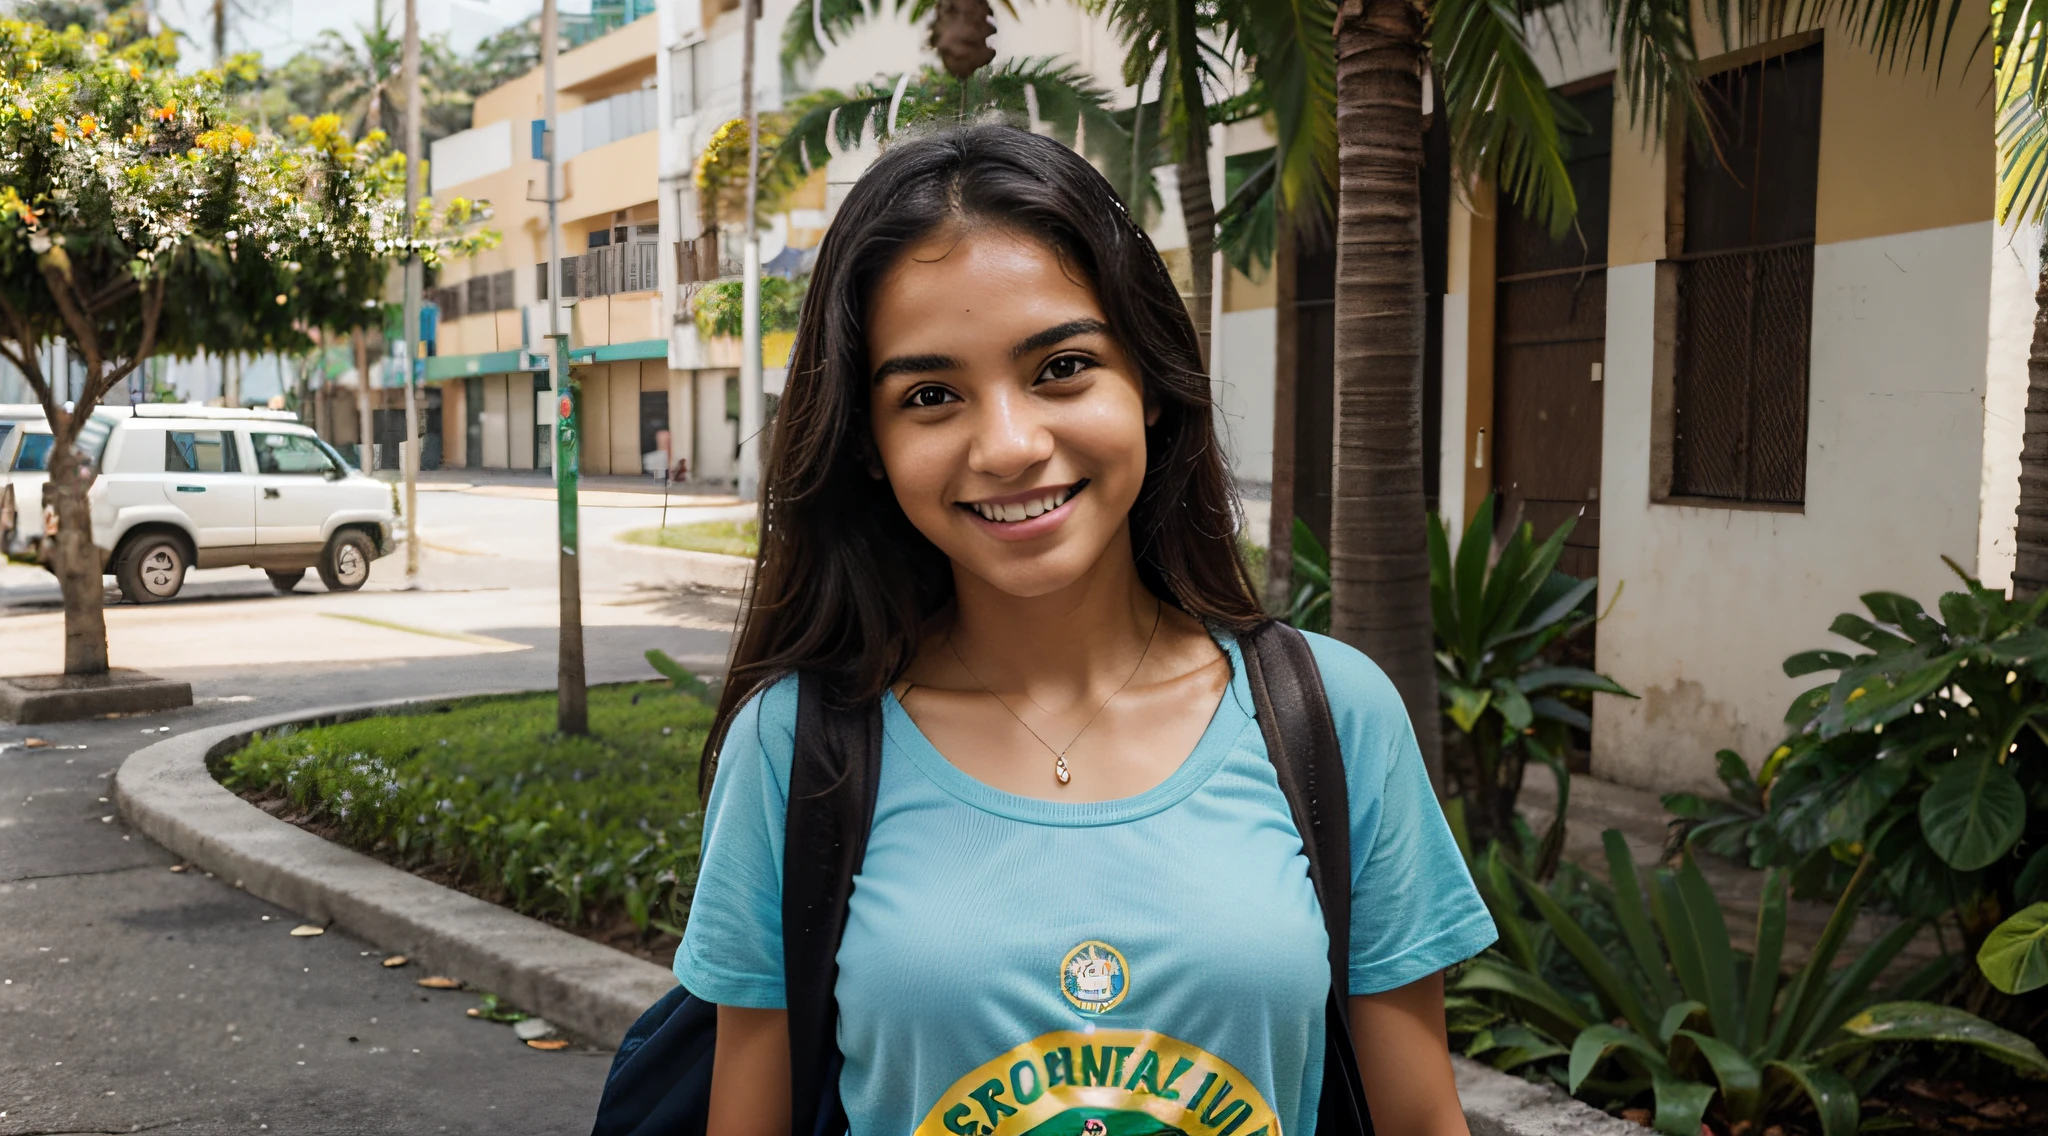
pixel 1018 966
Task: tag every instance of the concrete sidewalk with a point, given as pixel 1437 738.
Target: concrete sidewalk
pixel 132 997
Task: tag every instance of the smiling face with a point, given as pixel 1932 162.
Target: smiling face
pixel 1010 424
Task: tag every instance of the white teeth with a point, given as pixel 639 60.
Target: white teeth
pixel 1012 513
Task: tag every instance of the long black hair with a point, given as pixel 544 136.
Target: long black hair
pixel 844 585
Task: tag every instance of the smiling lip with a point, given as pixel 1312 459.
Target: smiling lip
pixel 1035 512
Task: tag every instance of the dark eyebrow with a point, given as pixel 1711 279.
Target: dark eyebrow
pixel 1058 333
pixel 915 365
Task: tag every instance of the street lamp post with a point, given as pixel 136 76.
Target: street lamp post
pixel 572 712
pixel 752 401
pixel 409 458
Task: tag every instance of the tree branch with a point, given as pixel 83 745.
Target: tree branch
pixel 152 308
pixel 68 298
pixel 120 288
pixel 24 356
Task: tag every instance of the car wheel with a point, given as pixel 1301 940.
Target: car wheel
pixel 152 569
pixel 285 581
pixel 345 566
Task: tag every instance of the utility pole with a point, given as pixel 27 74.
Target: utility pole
pixel 367 461
pixel 572 713
pixel 752 401
pixel 409 457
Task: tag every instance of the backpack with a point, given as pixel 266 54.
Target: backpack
pixel 660 1079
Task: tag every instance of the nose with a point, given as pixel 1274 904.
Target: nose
pixel 1011 436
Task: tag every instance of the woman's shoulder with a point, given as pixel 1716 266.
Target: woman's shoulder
pixel 762 733
pixel 1372 721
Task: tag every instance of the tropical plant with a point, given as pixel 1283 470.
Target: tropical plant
pixel 720 174
pixel 718 310
pixel 1497 628
pixel 136 217
pixel 1930 747
pixel 1309 596
pixel 2014 957
pixel 1667 1009
pixel 959 35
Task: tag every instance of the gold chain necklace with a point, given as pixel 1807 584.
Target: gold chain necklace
pixel 1059 756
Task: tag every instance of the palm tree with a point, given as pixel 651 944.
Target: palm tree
pixel 2023 190
pixel 366 84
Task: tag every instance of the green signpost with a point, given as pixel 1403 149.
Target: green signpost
pixel 571 712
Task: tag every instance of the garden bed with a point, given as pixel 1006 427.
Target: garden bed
pixel 598 835
pixel 726 538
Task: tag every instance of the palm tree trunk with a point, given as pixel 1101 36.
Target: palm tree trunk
pixel 1197 201
pixel 2030 571
pixel 1379 560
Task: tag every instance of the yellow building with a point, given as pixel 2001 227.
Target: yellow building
pixel 487 376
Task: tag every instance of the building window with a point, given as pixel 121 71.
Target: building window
pixel 1743 295
pixel 682 80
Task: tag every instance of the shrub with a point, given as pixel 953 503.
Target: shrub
pixel 570 828
pixel 1658 1002
pixel 1927 748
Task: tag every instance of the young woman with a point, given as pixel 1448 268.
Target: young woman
pixel 997 503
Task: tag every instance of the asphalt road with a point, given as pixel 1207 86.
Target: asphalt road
pixel 133 998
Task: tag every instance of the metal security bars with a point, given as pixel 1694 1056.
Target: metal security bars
pixel 1745 323
pixel 474 296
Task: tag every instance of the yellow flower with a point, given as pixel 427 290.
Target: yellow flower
pixel 87 126
pixel 167 111
pixel 134 71
pixel 58 133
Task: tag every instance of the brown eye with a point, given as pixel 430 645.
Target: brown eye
pixel 1065 367
pixel 929 396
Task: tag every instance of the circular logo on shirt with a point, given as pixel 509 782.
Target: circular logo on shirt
pixel 1094 976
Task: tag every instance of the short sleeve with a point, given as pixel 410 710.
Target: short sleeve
pixel 1414 910
pixel 732 944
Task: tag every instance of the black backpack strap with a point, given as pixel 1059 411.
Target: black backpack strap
pixel 1301 738
pixel 832 781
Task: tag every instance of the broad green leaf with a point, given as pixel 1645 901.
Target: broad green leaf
pixel 1626 880
pixel 1808 706
pixel 1517 1044
pixel 2031 886
pixel 1514 708
pixel 1716 953
pixel 1464 704
pixel 1669 910
pixel 1864 633
pixel 1594 1043
pixel 1680 1104
pixel 1966 615
pixel 1732 770
pixel 1925 1021
pixel 1469 580
pixel 1973 812
pixel 1676 1017
pixel 2022 648
pixel 2014 956
pixel 1553 710
pixel 1848 988
pixel 1905 613
pixel 1739 1080
pixel 1557 609
pixel 1571 678
pixel 1763 968
pixel 1608 982
pixel 1832 1096
pixel 1810 662
pixel 1541 1003
pixel 1806 991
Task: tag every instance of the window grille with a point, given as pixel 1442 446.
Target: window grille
pixel 1744 316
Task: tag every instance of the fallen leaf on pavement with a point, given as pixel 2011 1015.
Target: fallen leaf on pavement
pixel 440 982
pixel 34 743
pixel 396 960
pixel 549 1043
pixel 474 1012
pixel 177 867
pixel 307 930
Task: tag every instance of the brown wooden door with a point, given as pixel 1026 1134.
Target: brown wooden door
pixel 1550 343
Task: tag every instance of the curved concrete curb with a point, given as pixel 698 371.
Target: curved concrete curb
pixel 1498 1104
pixel 165 791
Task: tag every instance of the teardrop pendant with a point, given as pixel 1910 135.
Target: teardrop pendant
pixel 1059 768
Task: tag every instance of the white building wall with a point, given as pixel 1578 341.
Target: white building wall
pixel 2015 273
pixel 1708 602
pixel 1243 355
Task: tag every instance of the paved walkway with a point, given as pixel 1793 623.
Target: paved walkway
pixel 134 999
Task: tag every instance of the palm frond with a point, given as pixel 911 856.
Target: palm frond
pixel 1654 57
pixel 2022 158
pixel 1289 49
pixel 1504 120
pixel 1889 28
pixel 800 41
pixel 1247 228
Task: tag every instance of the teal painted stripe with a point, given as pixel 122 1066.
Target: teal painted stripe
pixel 462 366
pixel 621 352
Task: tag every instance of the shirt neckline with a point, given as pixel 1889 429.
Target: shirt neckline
pixel 1227 723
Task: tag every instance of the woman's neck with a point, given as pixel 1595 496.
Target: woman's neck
pixel 1082 635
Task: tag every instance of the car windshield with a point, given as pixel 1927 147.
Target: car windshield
pixel 291 453
pixel 34 455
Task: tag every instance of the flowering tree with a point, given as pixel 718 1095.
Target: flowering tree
pixel 137 217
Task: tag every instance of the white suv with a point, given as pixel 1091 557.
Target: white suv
pixel 180 487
